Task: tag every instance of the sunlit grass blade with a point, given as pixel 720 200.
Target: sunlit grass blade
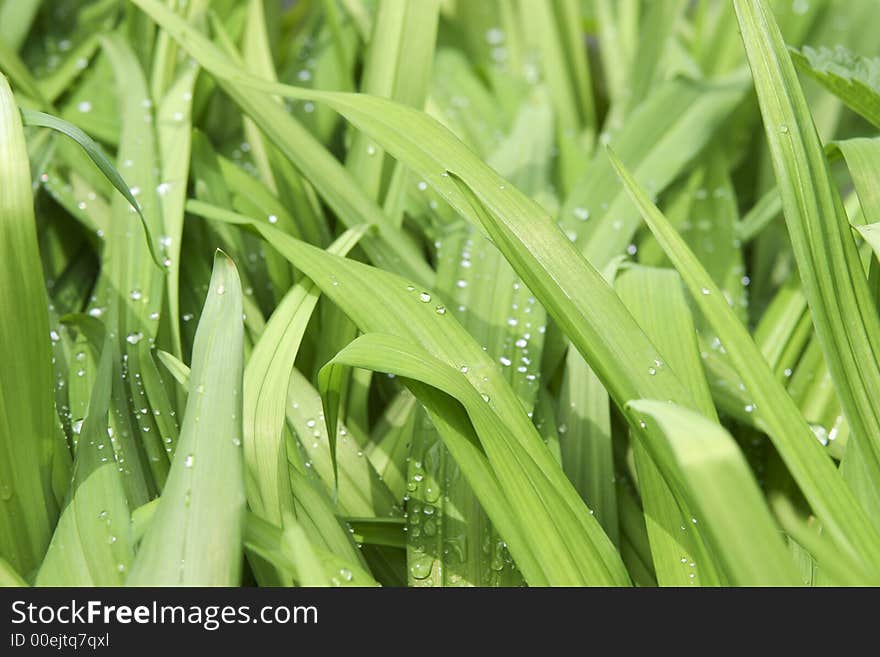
pixel 8 576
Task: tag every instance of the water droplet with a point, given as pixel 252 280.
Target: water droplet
pixel 221 289
pixel 704 291
pixel 800 7
pixel 346 574
pixel 494 36
pixel 504 361
pixel 135 295
pixel 421 567
pixel 422 185
pixel 441 310
pixel 749 408
pixel 820 432
pixel 424 297
pixel 134 338
pixel 84 107
pixel 463 369
pixel 189 461
pixel 484 396
pixel 582 214
pixel 652 371
pixel 783 129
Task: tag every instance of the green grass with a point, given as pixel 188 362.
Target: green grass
pixel 439 293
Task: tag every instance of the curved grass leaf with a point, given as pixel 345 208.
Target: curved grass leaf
pixel 96 155
pixel 391 354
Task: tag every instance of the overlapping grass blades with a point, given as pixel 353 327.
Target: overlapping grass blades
pixel 830 268
pixel 449 352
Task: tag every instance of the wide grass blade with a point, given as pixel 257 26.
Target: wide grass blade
pixel 27 511
pixel 195 538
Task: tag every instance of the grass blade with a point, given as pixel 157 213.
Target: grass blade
pixel 195 537
pixel 27 512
